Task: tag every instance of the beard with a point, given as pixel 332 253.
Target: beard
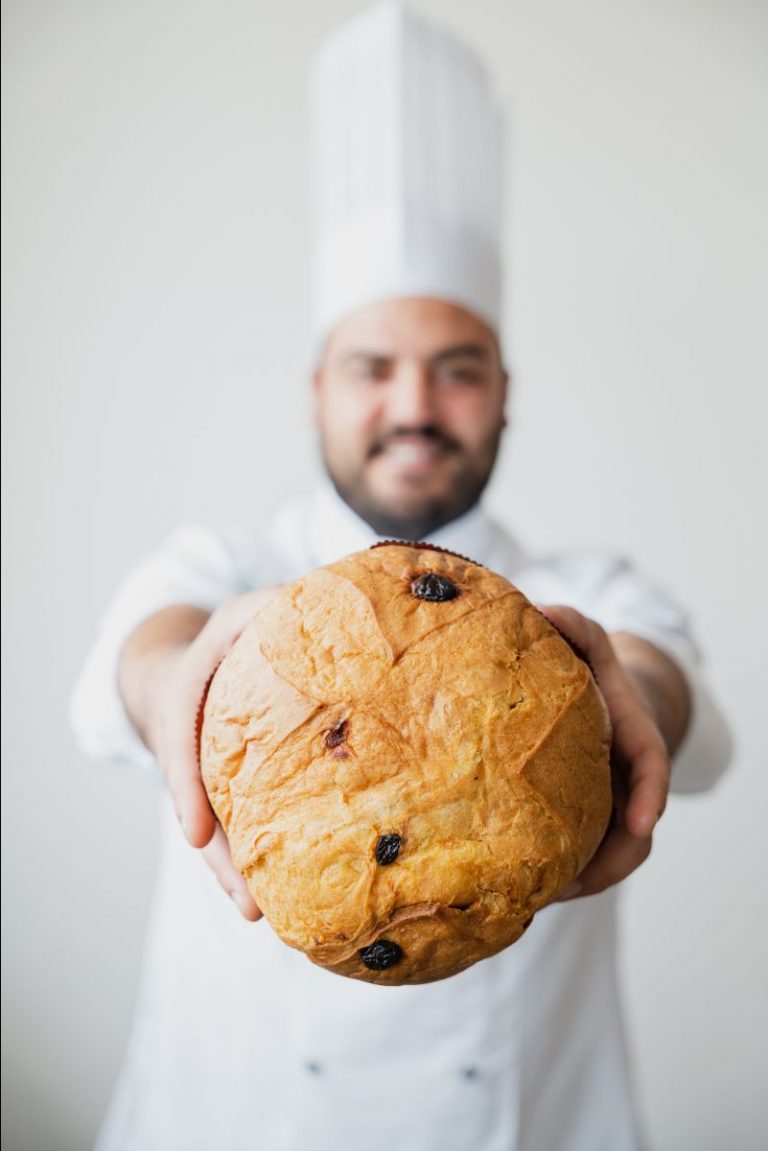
pixel 416 516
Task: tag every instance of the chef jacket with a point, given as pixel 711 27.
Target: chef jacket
pixel 241 1044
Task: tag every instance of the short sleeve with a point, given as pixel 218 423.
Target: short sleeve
pixel 197 566
pixel 610 590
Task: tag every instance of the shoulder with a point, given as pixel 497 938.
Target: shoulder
pixel 589 570
pixel 606 585
pixel 267 550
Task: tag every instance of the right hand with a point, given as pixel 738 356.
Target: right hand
pixel 175 737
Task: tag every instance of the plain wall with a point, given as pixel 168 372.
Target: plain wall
pixel 156 360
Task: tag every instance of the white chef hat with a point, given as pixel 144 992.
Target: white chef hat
pixel 407 167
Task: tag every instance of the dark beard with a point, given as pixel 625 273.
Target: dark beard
pixel 419 522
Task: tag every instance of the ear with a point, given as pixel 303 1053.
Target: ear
pixel 506 385
pixel 317 383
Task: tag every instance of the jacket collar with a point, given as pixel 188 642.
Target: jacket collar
pixel 334 531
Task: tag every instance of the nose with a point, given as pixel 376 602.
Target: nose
pixel 410 399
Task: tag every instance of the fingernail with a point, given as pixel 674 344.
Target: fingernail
pixel 242 901
pixel 645 826
pixel 572 890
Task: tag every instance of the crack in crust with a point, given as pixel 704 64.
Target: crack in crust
pixel 446 767
pixel 575 648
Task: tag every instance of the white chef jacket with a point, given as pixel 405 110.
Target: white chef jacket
pixel 241 1044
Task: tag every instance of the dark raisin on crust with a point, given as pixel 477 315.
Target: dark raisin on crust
pixel 434 588
pixel 387 849
pixel 336 735
pixel 382 954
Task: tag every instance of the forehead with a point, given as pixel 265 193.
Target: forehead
pixel 412 327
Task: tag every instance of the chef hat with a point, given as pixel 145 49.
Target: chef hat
pixel 406 169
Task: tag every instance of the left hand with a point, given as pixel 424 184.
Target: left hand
pixel 640 761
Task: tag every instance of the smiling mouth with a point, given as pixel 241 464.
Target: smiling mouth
pixel 416 451
pixel 412 454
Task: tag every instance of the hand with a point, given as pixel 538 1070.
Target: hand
pixel 639 759
pixel 175 737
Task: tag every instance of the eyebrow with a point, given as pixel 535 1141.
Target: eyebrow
pixel 461 351
pixel 362 354
pixel 455 351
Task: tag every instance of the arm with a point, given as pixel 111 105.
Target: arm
pixel 193 565
pixel 609 589
pixel 660 682
pixel 164 668
pixel 146 660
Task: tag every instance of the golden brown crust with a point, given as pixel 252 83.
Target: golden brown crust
pixel 350 709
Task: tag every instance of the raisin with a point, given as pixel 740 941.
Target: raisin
pixel 336 735
pixel 433 587
pixel 381 955
pixel 387 849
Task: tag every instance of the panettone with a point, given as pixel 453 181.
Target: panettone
pixel 408 760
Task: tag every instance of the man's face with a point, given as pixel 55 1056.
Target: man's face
pixel 409 402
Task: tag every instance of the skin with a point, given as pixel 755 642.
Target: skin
pixel 409 405
pixel 409 399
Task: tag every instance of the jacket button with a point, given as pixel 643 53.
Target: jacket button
pixel 469 1072
pixel 313 1067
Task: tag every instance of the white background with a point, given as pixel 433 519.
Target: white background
pixel 156 365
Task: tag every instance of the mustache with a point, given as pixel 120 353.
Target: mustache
pixel 427 432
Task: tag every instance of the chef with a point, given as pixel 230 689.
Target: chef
pixel 239 1043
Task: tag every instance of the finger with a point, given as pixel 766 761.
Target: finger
pixel 618 856
pixel 648 789
pixel 234 616
pixel 182 742
pixel 636 738
pixel 183 766
pixel 181 746
pixel 218 858
pixel 638 744
pixel 584 633
pixel 593 643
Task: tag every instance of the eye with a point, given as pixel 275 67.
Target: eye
pixel 370 371
pixel 461 374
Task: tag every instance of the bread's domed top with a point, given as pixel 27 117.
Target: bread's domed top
pixel 408 761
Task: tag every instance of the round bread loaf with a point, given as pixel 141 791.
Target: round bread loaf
pixel 408 761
